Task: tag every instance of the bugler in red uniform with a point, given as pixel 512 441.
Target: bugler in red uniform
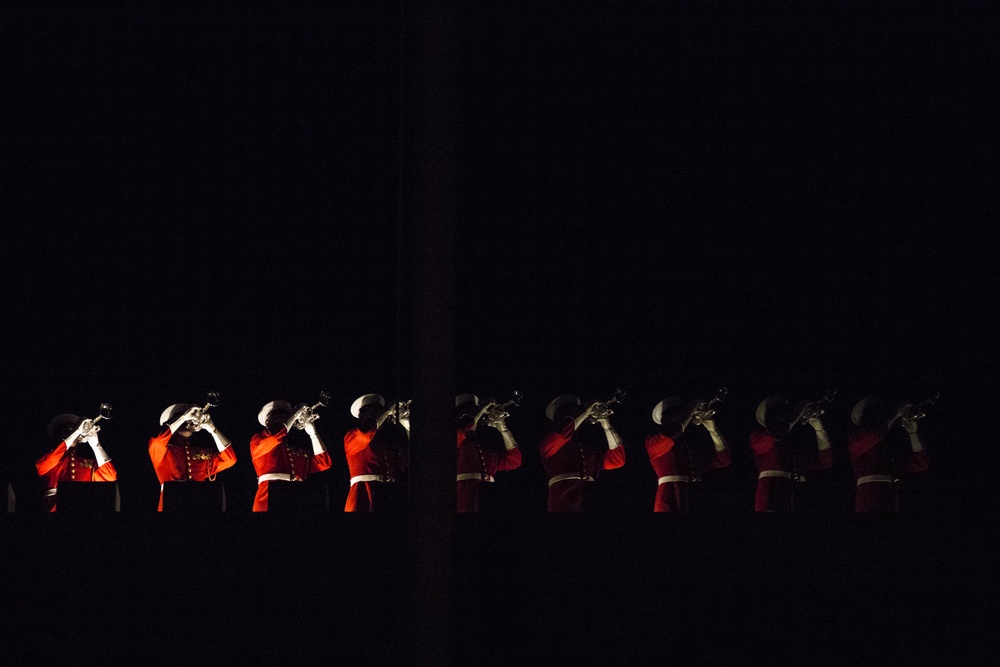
pixel 877 463
pixel 780 463
pixel 570 462
pixel 66 464
pixel 173 456
pixel 677 461
pixel 275 459
pixel 478 462
pixel 377 454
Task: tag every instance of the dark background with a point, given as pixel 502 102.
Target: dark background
pixel 663 197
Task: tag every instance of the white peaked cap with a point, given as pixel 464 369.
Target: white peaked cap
pixel 174 409
pixel 558 402
pixel 462 399
pixel 664 405
pixel 859 409
pixel 270 407
pixel 362 401
pixel 766 404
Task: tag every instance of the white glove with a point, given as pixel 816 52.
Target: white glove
pixel 74 437
pixel 206 424
pixel 508 439
pixel 189 415
pixel 609 432
pixel 822 439
pixel 99 452
pixel 317 443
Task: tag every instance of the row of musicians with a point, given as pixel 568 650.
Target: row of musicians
pixel 581 443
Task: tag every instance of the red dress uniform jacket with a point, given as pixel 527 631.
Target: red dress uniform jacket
pixel 780 467
pixel 271 454
pixel 876 469
pixel 63 464
pixel 177 463
pixel 476 458
pixel 677 458
pixel 564 453
pixel 375 452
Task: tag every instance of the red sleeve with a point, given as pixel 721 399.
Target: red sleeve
pixel 705 457
pixel 816 459
pixel 615 458
pixel 51 460
pixel 357 440
pixel 106 473
pixel 510 460
pixel 263 443
pixel 320 462
pixel 861 441
pixel 721 459
pixel 460 438
pixel 224 459
pixel 555 440
pixel 158 448
pixel 825 458
pixel 658 444
pixel 916 461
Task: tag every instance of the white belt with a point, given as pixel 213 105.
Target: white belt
pixel 875 478
pixel 49 493
pixel 272 476
pixel 674 478
pixel 781 473
pixel 464 476
pixel 570 475
pixel 371 478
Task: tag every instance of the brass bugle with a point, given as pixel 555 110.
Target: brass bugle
pixel 815 408
pixel 307 413
pixel 496 410
pixel 210 402
pixel 602 409
pixel 89 426
pixel 706 409
pixel 914 411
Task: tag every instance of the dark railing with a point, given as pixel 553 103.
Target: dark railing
pixel 726 587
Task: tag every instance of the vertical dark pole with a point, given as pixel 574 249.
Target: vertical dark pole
pixel 429 28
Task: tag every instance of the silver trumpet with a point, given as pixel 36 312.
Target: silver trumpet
pixel 915 411
pixel 402 410
pixel 705 410
pixel 814 409
pixel 90 427
pixel 307 413
pixel 602 410
pixel 496 411
pixel 201 415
